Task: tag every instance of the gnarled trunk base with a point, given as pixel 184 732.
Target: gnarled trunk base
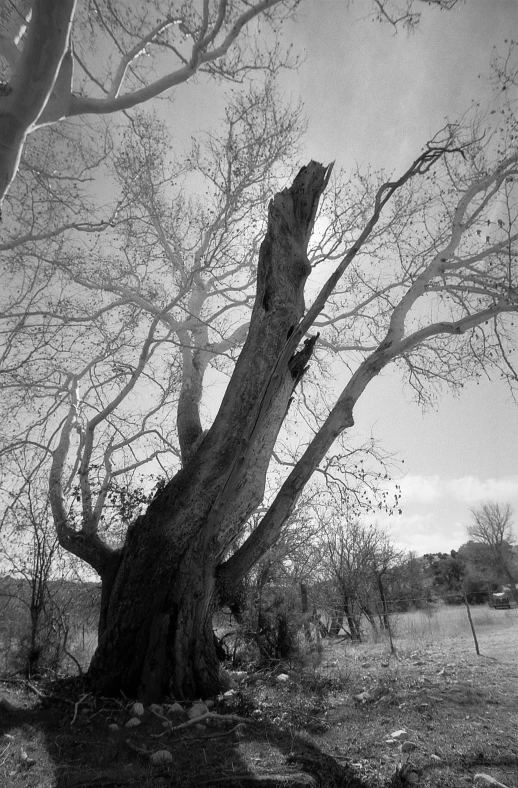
pixel 158 639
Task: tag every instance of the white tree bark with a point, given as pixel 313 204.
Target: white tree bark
pixel 37 72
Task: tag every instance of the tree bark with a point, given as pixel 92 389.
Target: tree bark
pixel 352 620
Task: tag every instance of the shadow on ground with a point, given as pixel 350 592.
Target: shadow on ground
pixel 56 741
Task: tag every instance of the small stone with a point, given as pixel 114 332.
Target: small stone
pixel 25 760
pixel 400 735
pixel 482 780
pixel 160 758
pixel 282 678
pixel 133 723
pixel 155 708
pixel 408 746
pixel 175 712
pixel 197 710
pixel 137 710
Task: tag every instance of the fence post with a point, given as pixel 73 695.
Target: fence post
pixel 471 623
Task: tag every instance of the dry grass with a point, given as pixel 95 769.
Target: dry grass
pixel 437 624
pixel 460 709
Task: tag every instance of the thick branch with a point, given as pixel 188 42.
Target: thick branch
pixel 133 53
pixel 91 518
pixel 81 105
pixel 87 546
pixel 458 327
pixel 33 81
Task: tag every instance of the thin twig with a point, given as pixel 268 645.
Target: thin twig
pixel 76 707
pixel 210 715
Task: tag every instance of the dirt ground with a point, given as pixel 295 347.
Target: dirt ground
pixel 329 725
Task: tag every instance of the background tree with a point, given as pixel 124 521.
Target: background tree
pixel 356 559
pixel 271 606
pixel 492 526
pixel 29 561
pixel 447 572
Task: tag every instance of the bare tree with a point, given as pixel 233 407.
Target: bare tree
pixel 29 552
pixel 492 525
pixel 357 558
pixel 192 523
pixel 114 335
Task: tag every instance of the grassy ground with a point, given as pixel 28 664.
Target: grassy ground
pixel 330 724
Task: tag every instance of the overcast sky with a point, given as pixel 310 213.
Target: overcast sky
pixel 373 97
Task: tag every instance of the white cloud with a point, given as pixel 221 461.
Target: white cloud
pixel 436 510
pixel 420 489
pixel 472 490
pixel 423 533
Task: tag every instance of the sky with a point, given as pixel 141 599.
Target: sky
pixel 375 98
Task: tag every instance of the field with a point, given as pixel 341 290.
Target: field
pixel 329 722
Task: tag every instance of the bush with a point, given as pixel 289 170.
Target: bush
pixel 269 628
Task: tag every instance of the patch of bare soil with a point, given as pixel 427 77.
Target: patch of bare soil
pixel 327 727
pixel 459 709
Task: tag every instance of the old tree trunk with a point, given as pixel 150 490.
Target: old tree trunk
pixel 161 590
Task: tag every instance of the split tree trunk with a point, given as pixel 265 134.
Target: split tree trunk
pixel 156 630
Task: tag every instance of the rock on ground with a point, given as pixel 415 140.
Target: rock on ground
pixel 486 781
